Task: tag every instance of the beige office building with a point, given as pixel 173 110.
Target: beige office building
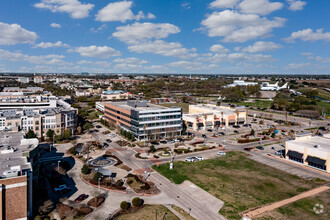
pixel 311 151
pixel 207 116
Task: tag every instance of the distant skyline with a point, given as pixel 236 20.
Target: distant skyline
pixel 155 36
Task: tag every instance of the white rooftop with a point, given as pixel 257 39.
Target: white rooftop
pixel 322 143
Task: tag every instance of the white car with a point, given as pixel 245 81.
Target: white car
pixel 200 158
pixel 221 153
pixel 191 159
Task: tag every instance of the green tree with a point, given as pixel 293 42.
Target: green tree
pixel 136 202
pixel 97 175
pixel 252 132
pixel 124 205
pixel 30 134
pixel 67 133
pixel 85 169
pixel 50 133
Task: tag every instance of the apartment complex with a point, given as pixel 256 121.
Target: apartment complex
pixel 37 115
pixel 144 120
pixel 311 151
pixel 19 170
pixel 207 116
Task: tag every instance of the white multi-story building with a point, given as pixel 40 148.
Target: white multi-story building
pixel 23 79
pixel 37 79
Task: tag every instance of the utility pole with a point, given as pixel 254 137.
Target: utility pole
pixel 156 214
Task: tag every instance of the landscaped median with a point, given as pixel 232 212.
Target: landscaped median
pixel 240 182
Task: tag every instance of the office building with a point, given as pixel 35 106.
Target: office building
pixel 206 116
pixel 144 120
pixel 19 170
pixel 23 79
pixel 311 151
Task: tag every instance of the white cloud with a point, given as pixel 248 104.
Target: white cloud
pixel 223 3
pixel 261 46
pixel 186 5
pixel 192 66
pixel 102 27
pixel 96 51
pixel 14 34
pixel 51 45
pixel 50 59
pixel 295 66
pixel 296 5
pixel 75 8
pixel 306 54
pixel 218 48
pixel 160 47
pixel 141 31
pixel 236 27
pixel 308 35
pixel 55 25
pixel 120 11
pixel 319 59
pixel 130 60
pixel 261 7
pixel 81 62
pixel 234 57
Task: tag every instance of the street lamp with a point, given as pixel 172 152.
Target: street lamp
pixel 58 165
pixel 99 184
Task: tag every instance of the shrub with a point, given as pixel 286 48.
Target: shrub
pixel 85 169
pixel 124 205
pixel 152 148
pixel 73 151
pixel 136 202
pixel 119 183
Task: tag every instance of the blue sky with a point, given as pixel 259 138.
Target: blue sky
pixel 165 36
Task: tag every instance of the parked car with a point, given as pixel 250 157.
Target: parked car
pixel 105 144
pixel 98 126
pixel 322 129
pixel 204 136
pixel 191 159
pixel 61 187
pixel 163 142
pixel 200 158
pixel 108 140
pixel 112 135
pixel 248 148
pixel 280 152
pixel 221 133
pixel 81 198
pixel 260 148
pixel 221 153
pixel 180 140
pixel 209 130
pixel 236 126
pixel 236 132
pixel 154 142
pixel 171 142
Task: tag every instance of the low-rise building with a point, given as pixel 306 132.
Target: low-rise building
pixel 144 120
pixel 311 151
pixel 37 79
pixel 19 171
pixel 115 95
pixel 23 79
pixel 207 116
pixel 241 83
pixel 82 93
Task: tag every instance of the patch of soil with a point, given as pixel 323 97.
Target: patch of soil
pixel 96 201
pixel 147 186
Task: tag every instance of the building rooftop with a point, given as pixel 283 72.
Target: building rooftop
pixel 313 142
pixel 138 105
pixel 12 147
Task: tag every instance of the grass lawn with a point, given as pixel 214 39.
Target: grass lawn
pixel 184 106
pixel 240 182
pixel 149 212
pixel 182 212
pixel 325 106
pixel 322 93
pixel 302 209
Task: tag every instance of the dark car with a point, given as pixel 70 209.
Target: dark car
pixel 98 126
pixel 209 130
pixel 204 136
pixel 163 142
pixel 105 144
pixel 236 132
pixel 236 126
pixel 81 198
pixel 154 143
pixel 322 129
pixel 221 133
pixel 246 125
pixel 180 139
pixel 95 130
pixel 108 140
pixel 247 148
pixel 260 148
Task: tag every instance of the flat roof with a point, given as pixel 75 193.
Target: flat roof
pixel 124 105
pixel 310 142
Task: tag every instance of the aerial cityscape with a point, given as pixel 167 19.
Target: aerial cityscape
pixel 147 109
